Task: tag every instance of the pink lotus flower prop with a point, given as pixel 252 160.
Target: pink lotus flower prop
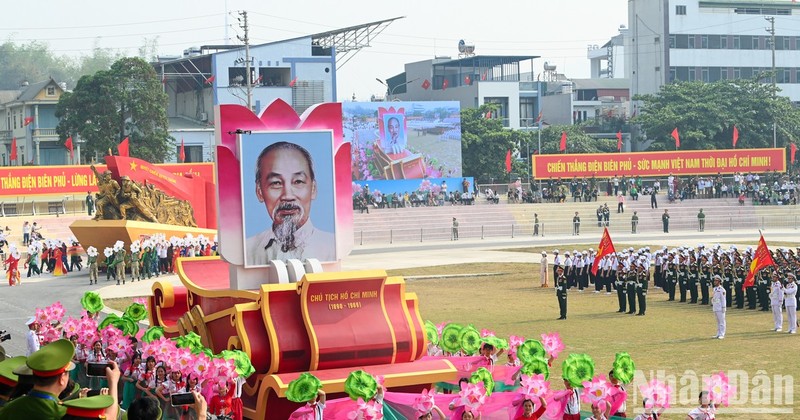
pixel 534 385
pixel 552 344
pixel 55 312
pixel 370 410
pixel 658 392
pixel 71 327
pixel 719 389
pixel 42 317
pixel 472 396
pixel 424 403
pixel 440 326
pixel 141 300
pixel 487 333
pixel 598 389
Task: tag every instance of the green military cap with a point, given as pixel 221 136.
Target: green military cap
pixel 7 375
pixel 89 407
pixel 52 359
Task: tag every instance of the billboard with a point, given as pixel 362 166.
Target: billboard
pixel 288 177
pixel 691 162
pixel 403 140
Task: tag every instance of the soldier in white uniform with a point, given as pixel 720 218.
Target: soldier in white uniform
pixel 776 301
pixel 790 301
pixel 557 260
pixel 718 306
pixel 543 269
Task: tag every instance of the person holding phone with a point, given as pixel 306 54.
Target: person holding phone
pixel 173 386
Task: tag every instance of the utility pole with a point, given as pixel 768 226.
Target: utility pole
pixel 246 40
pixel 771 31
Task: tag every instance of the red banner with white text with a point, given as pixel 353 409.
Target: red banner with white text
pixel 691 162
pixel 77 179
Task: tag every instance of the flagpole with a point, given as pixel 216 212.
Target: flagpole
pixel 539 132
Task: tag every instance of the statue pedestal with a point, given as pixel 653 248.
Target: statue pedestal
pixel 104 233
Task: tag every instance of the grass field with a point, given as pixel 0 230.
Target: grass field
pixel 675 338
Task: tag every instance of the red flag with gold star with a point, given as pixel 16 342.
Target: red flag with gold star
pixel 762 259
pixel 606 247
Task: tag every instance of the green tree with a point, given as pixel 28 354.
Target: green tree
pixel 705 114
pixel 484 144
pixel 31 62
pixel 125 101
pixel 577 141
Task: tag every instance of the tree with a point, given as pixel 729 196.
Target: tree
pixel 125 101
pixel 484 144
pixel 577 141
pixel 705 114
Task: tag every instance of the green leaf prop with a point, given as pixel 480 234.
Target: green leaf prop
pixel 244 367
pixel 470 340
pixel 530 349
pixel 483 375
pixel 92 302
pixel 111 319
pixel 360 384
pixel 128 326
pixel 136 311
pixel 450 341
pixel 431 333
pixel 624 368
pixel 577 369
pixel 304 388
pixel 495 342
pixel 190 341
pixel 536 366
pixel 152 334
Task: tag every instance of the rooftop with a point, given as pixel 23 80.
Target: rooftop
pixel 484 60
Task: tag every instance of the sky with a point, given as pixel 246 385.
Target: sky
pixel 558 30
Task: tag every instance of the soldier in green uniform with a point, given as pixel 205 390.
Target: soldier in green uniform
pixel 147 261
pixel 727 282
pixel 670 277
pixel 763 290
pixel 111 270
pixel 619 285
pixel 738 283
pixel 630 289
pixel 561 291
pixel 119 261
pixel 634 222
pixel 8 379
pixel 683 274
pixel 91 252
pixel 691 281
pixel 134 261
pixel 705 280
pixel 701 220
pixel 642 284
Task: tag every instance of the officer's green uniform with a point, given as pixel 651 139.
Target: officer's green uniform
pixel 634 223
pixel 630 291
pixel 7 376
pixel 89 407
pixel 147 262
pixel 51 360
pixel 135 266
pixel 642 284
pixel 701 220
pixel 92 262
pixel 119 260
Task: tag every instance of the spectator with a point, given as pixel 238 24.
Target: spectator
pixel 576 224
pixel 620 203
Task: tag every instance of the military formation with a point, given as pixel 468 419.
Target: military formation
pixel 685 275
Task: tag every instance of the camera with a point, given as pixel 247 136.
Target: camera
pixel 97 369
pixel 183 398
pixel 4 335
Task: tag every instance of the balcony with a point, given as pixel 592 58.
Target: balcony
pixel 44 132
pixel 5 135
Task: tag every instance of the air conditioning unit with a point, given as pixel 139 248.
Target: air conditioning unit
pixel 204 117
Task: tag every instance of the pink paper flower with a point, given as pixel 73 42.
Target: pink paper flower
pixel 657 392
pixel 487 333
pixel 71 327
pixel 42 317
pixel 598 389
pixel 552 344
pixel 143 301
pixel 370 410
pixel 719 389
pixel 55 312
pixel 201 366
pixel 424 403
pixel 534 385
pixel 472 396
pixel 440 326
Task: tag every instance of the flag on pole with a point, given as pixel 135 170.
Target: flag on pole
pixel 484 75
pixel 735 135
pixel 13 155
pixel 210 79
pixel 293 82
pixel 539 117
pixel 508 161
pixel 123 149
pixel 677 138
pixel 761 259
pixel 619 141
pixel 467 80
pixel 445 84
pixel 183 152
pixel 27 121
pixel 68 146
pixel 792 152
pixel 605 247
pixel 426 84
pixel 563 146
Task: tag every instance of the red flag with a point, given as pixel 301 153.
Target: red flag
pixel 259 79
pixel 677 138
pixel 735 135
pixel 183 152
pixel 761 259
pixel 606 247
pixel 68 145
pixel 488 115
pixel 426 84
pixel 445 84
pixel 619 141
pixel 792 151
pixel 293 82
pixel 563 146
pixel 467 80
pixel 484 76
pixel 508 161
pixel 164 80
pixel 26 121
pixel 13 149
pixel 122 148
pixel 210 80
pixel 539 117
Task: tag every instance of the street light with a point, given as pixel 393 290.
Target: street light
pixel 391 91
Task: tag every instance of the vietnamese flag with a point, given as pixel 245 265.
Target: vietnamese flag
pixel 27 121
pixel 735 135
pixel 123 149
pixel 183 152
pixel 508 161
pixel 762 259
pixel 467 80
pixel 792 152
pixel 563 146
pixel 619 141
pixel 210 79
pixel 677 138
pixel 606 247
pixel 293 82
pixel 426 84
pixel 445 84
pixel 13 155
pixel 68 146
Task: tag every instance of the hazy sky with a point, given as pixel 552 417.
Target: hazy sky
pixel 557 30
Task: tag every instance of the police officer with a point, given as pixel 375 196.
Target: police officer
pixel 671 277
pixel 8 379
pixel 683 274
pixel 763 290
pixel 561 291
pixel 691 281
pixel 630 290
pixel 641 289
pixel 705 281
pixel 738 283
pixel 619 284
pixel 557 260
pixel 727 282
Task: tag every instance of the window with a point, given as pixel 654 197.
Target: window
pixel 692 74
pixel 691 42
pixel 724 73
pixel 704 41
pixel 51 91
pixel 681 41
pixel 672 41
pixel 756 43
pixel 680 10
pixel 704 74
pixel 745 73
pixel 714 73
pixel 784 76
pixel 737 42
pixel 723 42
pixel 714 41
pixel 673 73
pixel 682 73
pixel 193 153
pixel 746 42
